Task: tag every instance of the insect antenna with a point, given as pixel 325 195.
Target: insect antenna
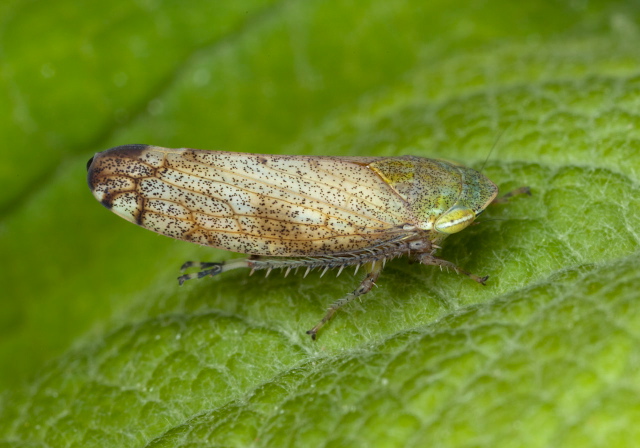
pixel 493 147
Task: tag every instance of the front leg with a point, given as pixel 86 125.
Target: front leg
pixel 364 287
pixel 429 259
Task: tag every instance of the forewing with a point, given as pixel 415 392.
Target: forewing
pixel 250 203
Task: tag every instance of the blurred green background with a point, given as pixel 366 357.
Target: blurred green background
pixel 100 347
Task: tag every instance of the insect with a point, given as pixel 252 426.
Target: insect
pixel 290 212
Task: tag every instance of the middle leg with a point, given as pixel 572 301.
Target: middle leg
pixel 364 287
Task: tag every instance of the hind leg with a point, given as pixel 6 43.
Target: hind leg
pixel 212 269
pixel 260 263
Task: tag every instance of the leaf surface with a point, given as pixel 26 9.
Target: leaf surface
pixel 100 347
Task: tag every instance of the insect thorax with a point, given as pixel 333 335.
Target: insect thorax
pixel 429 186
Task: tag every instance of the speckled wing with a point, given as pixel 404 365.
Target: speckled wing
pixel 272 205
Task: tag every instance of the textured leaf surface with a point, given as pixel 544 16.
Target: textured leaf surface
pixel 99 346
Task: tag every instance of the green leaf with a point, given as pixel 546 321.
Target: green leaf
pixel 100 347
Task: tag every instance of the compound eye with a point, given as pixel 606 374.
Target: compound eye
pixel 455 219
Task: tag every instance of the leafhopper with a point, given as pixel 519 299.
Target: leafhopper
pixel 290 212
